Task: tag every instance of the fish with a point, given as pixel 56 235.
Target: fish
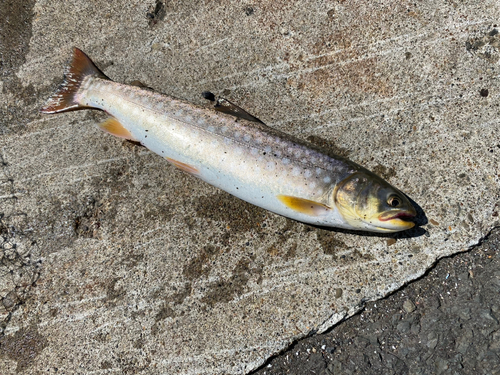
pixel 233 150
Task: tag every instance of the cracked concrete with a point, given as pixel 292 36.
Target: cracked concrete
pixel 114 261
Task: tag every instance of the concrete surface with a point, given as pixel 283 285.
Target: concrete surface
pixel 113 261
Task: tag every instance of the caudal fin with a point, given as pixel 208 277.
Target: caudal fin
pixel 64 97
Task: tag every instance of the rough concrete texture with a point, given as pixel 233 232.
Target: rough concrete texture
pixel 113 261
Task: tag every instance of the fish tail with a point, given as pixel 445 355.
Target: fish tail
pixel 64 99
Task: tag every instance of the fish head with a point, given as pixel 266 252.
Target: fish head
pixel 367 202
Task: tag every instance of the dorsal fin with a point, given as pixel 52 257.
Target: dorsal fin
pixel 225 106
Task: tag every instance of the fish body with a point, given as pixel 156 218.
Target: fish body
pixel 248 159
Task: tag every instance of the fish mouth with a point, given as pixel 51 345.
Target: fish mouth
pixel 402 215
pixel 402 219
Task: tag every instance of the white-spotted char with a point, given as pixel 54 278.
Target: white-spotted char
pixel 234 151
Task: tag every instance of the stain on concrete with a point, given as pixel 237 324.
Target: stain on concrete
pixel 359 77
pixel 173 300
pixel 281 250
pixel 88 224
pixel 167 308
pixel 239 215
pixel 15 35
pixel 225 290
pixel 106 365
pixel 486 47
pixel 328 147
pixel 164 313
pixel 23 347
pixel 384 172
pixel 114 294
pixel 330 244
pixel 156 13
pixel 201 265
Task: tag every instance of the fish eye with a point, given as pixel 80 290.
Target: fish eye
pixel 394 201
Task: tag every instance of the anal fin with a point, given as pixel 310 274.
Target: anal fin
pixel 114 127
pixel 183 166
pixel 304 206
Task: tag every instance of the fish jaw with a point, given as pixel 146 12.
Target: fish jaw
pixel 398 220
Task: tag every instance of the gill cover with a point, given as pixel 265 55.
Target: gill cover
pixel 369 203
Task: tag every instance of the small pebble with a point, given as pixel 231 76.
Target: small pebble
pixel 431 344
pixel 409 306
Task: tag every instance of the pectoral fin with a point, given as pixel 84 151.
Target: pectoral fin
pixel 304 206
pixel 112 126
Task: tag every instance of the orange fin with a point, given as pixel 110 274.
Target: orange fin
pixel 112 126
pixel 304 206
pixel 183 166
pixel 64 97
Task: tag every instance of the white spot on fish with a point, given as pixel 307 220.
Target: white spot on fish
pixel 298 153
pixel 211 129
pixel 159 106
pixel 307 173
pixel 237 135
pixel 312 185
pixel 178 114
pixel 137 111
pixel 254 151
pixel 277 153
pixel 295 171
pixel 270 166
pixel 285 161
pixel 318 171
pixel 188 119
pixel 215 143
pixel 224 129
pixel 247 137
pixel 267 149
pixel 258 140
pixel 228 141
pixel 201 121
pixel 327 180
